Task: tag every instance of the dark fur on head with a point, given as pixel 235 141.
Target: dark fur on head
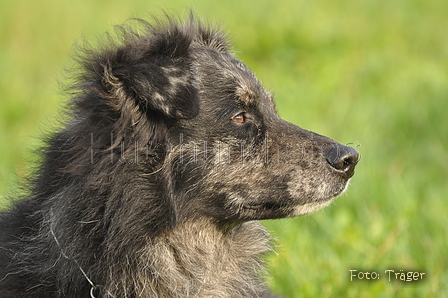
pixel 171 153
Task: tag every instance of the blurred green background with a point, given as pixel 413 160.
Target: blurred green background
pixel 373 74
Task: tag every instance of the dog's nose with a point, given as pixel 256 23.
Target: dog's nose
pixel 343 158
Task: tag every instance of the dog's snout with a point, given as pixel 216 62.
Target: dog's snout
pixel 343 158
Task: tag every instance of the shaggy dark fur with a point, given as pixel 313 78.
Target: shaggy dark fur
pixel 171 153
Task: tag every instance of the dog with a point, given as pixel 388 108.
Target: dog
pixel 171 152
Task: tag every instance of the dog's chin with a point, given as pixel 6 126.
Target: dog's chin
pixel 319 203
pixel 315 205
pixel 275 209
pixel 310 207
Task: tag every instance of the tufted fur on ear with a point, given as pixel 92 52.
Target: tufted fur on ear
pixel 153 68
pixel 137 83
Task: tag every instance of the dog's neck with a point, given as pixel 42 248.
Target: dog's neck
pixel 198 260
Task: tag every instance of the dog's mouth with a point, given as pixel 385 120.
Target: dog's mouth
pixel 272 210
pixel 268 210
pixel 273 206
pixel 263 206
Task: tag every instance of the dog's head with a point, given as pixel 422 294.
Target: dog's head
pixel 181 106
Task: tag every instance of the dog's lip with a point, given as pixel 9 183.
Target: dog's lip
pixel 277 206
pixel 262 206
pixel 273 206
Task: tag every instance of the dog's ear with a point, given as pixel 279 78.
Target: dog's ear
pixel 154 70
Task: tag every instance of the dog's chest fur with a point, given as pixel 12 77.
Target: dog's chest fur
pixel 198 260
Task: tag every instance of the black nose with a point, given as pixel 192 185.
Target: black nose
pixel 343 158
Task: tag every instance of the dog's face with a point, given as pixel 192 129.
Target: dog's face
pixel 241 161
pixel 213 129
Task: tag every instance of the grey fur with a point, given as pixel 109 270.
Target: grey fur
pixel 171 153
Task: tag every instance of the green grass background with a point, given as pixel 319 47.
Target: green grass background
pixel 370 73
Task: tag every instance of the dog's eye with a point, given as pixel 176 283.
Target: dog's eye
pixel 240 118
